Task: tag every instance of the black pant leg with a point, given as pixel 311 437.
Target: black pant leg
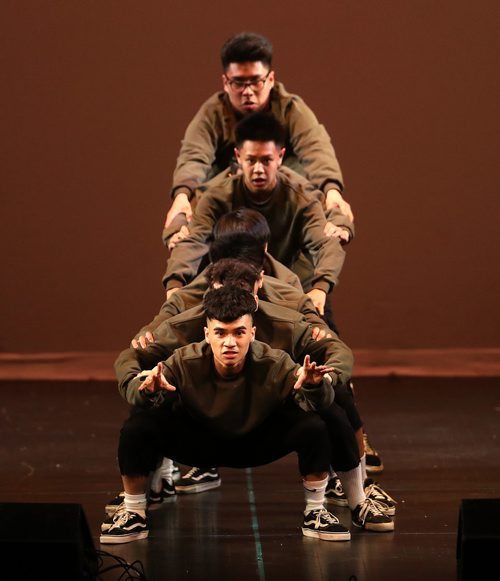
pixel 345 452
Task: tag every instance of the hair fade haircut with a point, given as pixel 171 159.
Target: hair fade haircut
pixel 231 271
pixel 238 245
pixel 246 47
pixel 260 126
pixel 243 220
pixel 228 303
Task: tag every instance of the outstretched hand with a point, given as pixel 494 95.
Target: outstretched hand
pixel 311 373
pixel 155 381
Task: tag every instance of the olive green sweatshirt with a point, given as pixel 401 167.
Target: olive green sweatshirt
pixel 279 327
pixel 209 141
pixel 233 406
pixel 297 224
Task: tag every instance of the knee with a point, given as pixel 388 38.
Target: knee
pixel 313 427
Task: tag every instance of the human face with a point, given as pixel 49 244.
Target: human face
pixel 251 98
pixel 259 162
pixel 230 343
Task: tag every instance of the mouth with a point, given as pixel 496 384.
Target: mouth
pixel 259 182
pixel 230 354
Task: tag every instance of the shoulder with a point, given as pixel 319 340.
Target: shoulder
pixel 221 186
pixel 296 187
pixel 277 290
pixel 192 352
pixel 282 96
pixel 192 316
pixel 263 354
pixel 214 104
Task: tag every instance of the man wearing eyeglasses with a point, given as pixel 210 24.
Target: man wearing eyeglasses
pixel 249 86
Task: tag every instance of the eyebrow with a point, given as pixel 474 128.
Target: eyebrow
pixel 243 78
pixel 240 328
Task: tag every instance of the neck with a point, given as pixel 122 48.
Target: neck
pixel 228 372
pixel 262 195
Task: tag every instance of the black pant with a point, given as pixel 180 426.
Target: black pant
pixel 149 434
pixel 345 451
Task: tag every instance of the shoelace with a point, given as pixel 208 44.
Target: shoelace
pixel 122 517
pixel 322 515
pixel 369 506
pixel 193 471
pixel 383 508
pixel 375 490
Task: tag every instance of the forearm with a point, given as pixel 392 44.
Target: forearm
pixel 315 397
pixel 335 216
pixel 197 152
pixel 326 254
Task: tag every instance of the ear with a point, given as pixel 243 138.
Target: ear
pixel 281 155
pixel 206 335
pixel 253 335
pixel 237 154
pixel 225 84
pixel 261 275
pixel 270 78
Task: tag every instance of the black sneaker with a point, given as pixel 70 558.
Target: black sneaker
pixel 198 480
pixel 334 493
pixel 112 506
pixel 374 464
pixel 321 524
pixel 374 492
pixel 167 490
pixel 107 523
pixel 127 526
pixel 368 516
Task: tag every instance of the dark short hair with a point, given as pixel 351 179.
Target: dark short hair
pixel 234 272
pixel 243 220
pixel 238 245
pixel 246 47
pixel 228 303
pixel 260 126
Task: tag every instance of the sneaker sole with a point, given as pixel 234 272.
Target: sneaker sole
pixel 195 488
pixel 336 501
pixel 326 536
pixel 119 539
pixel 376 527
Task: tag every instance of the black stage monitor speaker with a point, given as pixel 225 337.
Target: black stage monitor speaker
pixel 45 541
pixel 478 542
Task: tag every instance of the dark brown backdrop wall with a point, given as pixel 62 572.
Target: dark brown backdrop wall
pixel 95 99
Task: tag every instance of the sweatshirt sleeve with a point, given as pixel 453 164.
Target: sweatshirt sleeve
pixel 312 146
pixel 327 254
pixel 198 148
pixel 130 362
pixel 184 261
pixel 331 351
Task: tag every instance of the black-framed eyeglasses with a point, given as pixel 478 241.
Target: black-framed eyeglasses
pixel 255 84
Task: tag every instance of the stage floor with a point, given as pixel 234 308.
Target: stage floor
pixel 438 437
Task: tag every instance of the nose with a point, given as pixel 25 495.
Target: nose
pixel 229 341
pixel 258 167
pixel 247 90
